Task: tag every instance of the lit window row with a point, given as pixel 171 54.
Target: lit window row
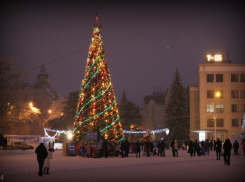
pixel 218 94
pixel 219 108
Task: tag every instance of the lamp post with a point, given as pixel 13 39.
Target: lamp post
pixel 217 95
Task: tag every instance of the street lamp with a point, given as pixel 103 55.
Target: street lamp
pixel 49 111
pixel 217 95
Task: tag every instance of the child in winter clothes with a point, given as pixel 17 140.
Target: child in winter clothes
pixel 47 161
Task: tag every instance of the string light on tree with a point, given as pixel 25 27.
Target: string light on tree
pixel 97 106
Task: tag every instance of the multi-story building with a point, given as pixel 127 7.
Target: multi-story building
pixel 217 104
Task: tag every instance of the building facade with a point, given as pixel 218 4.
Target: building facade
pixel 217 104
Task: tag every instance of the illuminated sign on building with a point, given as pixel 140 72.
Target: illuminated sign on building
pixel 214 58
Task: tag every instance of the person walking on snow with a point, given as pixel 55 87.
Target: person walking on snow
pixel 137 149
pixel 191 146
pixel 243 146
pixel 227 151
pixel 101 148
pixel 176 148
pixel 47 161
pixel 42 154
pixel 236 147
pixel 218 148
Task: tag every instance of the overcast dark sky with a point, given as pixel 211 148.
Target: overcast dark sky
pixel 144 41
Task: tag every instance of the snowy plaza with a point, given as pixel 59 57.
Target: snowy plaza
pixel 19 165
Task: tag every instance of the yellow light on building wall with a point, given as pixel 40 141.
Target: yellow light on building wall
pixel 217 94
pixel 49 111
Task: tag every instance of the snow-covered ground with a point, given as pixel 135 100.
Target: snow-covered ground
pixel 21 165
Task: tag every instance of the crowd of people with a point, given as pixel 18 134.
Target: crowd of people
pixel 122 149
pixel 205 146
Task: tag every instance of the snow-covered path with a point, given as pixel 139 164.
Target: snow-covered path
pixel 22 166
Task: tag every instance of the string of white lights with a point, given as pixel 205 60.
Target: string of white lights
pixel 153 131
pixel 124 131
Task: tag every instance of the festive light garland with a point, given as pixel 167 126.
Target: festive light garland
pixel 124 131
pixel 153 131
pixel 56 132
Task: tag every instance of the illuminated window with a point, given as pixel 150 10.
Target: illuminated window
pixel 234 107
pixel 210 108
pixel 235 122
pixel 210 123
pixel 242 107
pixel 210 94
pixel 242 77
pixel 210 77
pixel 235 94
pixel 234 77
pixel 219 108
pixel 219 123
pixel 219 77
pixel 242 93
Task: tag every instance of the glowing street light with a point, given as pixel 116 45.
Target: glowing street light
pixel 49 111
pixel 217 95
pixel 30 104
pixel 69 136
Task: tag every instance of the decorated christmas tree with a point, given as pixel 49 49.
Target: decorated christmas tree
pixel 97 108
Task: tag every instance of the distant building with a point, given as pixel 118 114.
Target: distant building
pixel 43 81
pixel 217 104
pixel 153 110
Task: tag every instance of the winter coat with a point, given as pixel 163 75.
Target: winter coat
pixel 196 145
pixel 227 147
pixel 172 144
pixel 88 148
pixel 162 145
pixel 105 146
pixel 175 144
pixel 218 146
pixel 243 144
pixel 47 160
pixel 127 144
pixel 206 144
pixel 137 147
pixel 191 145
pixel 236 145
pixel 41 152
pixel 122 146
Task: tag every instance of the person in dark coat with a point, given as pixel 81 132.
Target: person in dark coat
pixel 127 144
pixel 191 146
pixel 105 148
pixel 42 154
pixel 227 151
pixel 236 147
pixel 211 145
pixel 172 146
pixel 137 148
pixel 163 145
pixel 122 148
pixel 207 146
pixel 214 145
pixel 5 142
pixel 196 148
pixel 203 147
pixel 218 148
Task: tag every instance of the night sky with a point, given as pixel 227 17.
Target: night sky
pixel 144 41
